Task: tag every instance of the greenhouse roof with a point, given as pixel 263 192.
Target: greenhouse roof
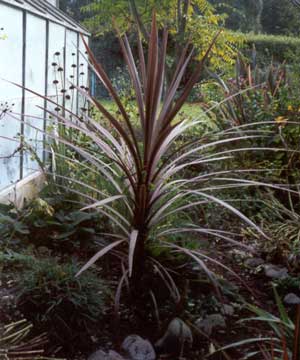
pixel 44 9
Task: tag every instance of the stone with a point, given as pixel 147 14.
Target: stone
pixel 101 355
pixel 292 299
pixel 211 323
pixel 138 348
pixel 254 262
pixel 6 298
pixel 227 310
pixel 177 336
pixel 276 272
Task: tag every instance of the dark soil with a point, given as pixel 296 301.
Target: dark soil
pixel 199 298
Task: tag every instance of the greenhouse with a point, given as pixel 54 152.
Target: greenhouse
pixel 34 36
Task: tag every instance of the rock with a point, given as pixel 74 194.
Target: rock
pixel 101 355
pixel 211 323
pixel 177 336
pixel 254 262
pixel 292 299
pixel 6 298
pixel 276 272
pixel 227 310
pixel 43 251
pixel 138 349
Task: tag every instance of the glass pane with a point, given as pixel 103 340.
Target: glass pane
pixel 35 78
pixel 11 59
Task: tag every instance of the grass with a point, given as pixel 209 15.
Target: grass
pixel 189 110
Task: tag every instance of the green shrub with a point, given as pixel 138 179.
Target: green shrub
pixel 52 222
pixel 12 227
pixel 263 98
pixel 57 302
pixel 280 48
pixel 280 219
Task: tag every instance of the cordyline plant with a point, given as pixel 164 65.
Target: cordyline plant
pixel 148 167
pixel 144 180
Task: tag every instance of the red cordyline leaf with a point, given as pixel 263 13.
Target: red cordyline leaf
pixel 99 71
pixel 99 254
pixel 285 355
pixel 296 350
pixel 134 75
pixel 149 92
pixel 132 245
pixel 100 203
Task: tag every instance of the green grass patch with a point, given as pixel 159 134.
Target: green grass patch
pixel 189 110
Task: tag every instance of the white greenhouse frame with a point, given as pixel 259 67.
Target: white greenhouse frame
pixel 32 32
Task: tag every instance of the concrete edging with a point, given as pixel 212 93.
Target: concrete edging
pixel 23 190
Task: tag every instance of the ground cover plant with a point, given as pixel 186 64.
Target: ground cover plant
pixel 49 294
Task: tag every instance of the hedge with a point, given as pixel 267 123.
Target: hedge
pixel 278 48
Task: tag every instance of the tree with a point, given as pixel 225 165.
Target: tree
pixel 286 15
pixel 188 20
pixel 242 15
pixel 73 8
pixel 267 16
pixel 260 9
